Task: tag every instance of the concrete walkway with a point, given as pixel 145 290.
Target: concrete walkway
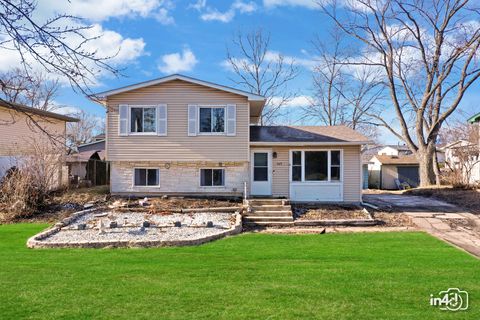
pixel 440 219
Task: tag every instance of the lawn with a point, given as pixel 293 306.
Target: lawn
pixel 332 276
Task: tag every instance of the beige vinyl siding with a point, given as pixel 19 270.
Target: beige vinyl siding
pixel 177 145
pixel 351 171
pixel 352 174
pixel 18 133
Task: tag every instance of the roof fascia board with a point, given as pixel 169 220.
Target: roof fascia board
pixel 250 96
pixel 306 144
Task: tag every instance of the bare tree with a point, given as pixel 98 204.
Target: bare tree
pixel 343 95
pixel 34 90
pixel 59 45
pixel 84 130
pixel 260 71
pixel 428 54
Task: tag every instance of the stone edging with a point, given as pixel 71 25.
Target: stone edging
pixel 35 241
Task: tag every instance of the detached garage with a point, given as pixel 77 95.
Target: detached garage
pixel 306 164
pixel 386 169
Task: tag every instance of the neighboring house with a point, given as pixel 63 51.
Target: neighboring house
pixel 465 156
pixel 384 170
pixel 88 162
pixel 184 136
pixel 25 131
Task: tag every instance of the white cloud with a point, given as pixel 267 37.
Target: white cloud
pixel 299 101
pixel 65 110
pixel 106 43
pixel 244 7
pixel 199 5
pixel 122 50
pixel 310 4
pixel 213 14
pixel 101 10
pixel 178 62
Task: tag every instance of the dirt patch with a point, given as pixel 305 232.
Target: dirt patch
pixel 462 224
pixel 393 219
pixel 329 212
pixel 465 198
pixel 176 203
pixel 61 204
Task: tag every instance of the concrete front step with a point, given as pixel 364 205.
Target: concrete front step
pixel 259 202
pixel 283 213
pixel 269 224
pixel 267 219
pixel 270 207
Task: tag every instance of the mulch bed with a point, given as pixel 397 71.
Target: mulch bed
pixel 393 219
pixel 329 212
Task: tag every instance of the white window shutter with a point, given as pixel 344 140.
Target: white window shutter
pixel 192 119
pixel 123 120
pixel 231 119
pixel 162 120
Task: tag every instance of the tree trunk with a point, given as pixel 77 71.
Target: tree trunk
pixel 426 170
pixel 436 169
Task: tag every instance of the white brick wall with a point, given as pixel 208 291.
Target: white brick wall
pixel 178 177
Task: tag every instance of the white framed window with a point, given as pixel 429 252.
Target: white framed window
pixel 211 120
pixel 212 177
pixel 316 165
pixel 296 165
pixel 143 119
pixel 146 177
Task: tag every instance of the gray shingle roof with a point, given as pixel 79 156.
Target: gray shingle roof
pixel 306 134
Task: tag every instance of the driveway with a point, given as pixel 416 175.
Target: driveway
pixel 442 220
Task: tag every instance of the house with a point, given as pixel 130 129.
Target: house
pixel 385 169
pixel 25 131
pixel 183 136
pixel 464 156
pixel 87 163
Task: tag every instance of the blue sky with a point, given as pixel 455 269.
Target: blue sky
pixel 159 37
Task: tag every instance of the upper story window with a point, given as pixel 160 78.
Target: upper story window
pixel 212 119
pixel 143 119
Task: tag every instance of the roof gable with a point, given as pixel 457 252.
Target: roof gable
pixel 250 96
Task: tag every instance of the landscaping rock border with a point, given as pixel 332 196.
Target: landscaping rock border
pixel 36 242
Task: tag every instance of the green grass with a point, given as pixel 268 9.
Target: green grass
pixel 251 276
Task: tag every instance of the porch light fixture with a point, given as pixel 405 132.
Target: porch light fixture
pixel 274 155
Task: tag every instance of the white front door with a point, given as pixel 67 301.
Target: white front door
pixel 261 175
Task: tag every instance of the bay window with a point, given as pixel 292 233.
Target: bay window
pixel 315 166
